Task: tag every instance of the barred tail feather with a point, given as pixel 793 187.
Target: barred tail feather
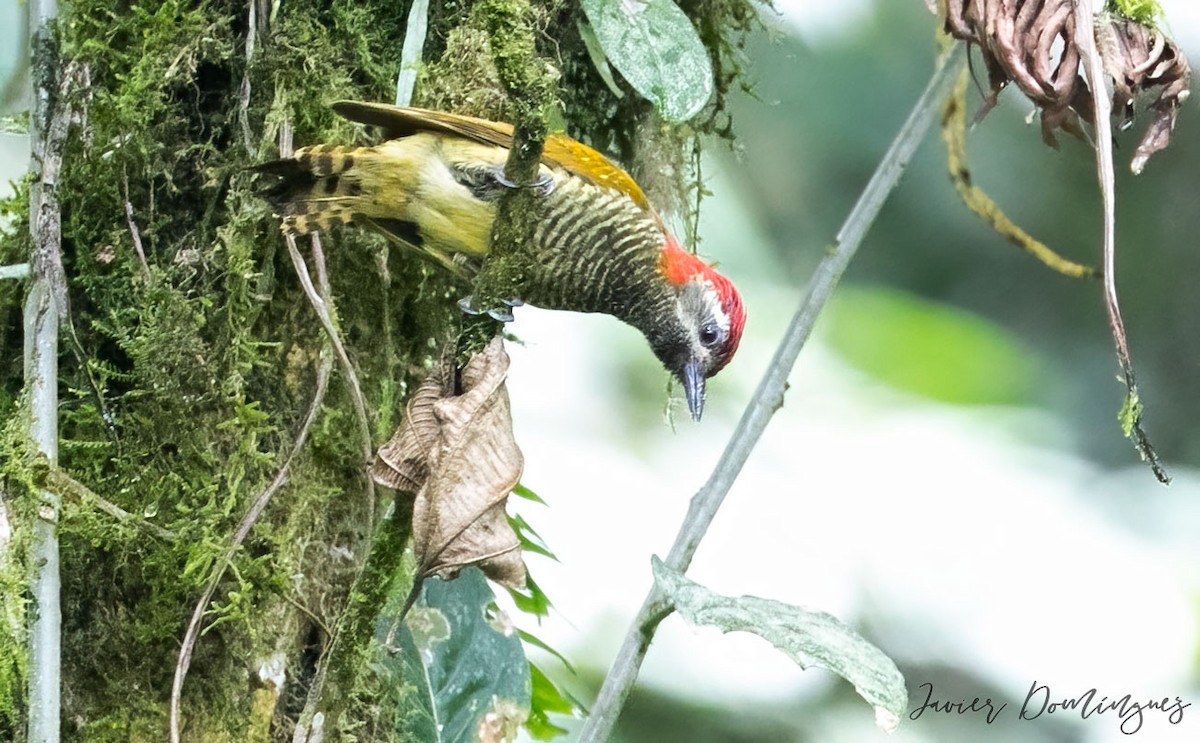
pixel 318 188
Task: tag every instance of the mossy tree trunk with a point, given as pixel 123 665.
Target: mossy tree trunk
pixel 198 353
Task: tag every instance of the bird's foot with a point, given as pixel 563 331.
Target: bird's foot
pixel 544 185
pixel 500 314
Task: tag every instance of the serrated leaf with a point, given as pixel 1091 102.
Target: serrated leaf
pixel 811 638
pixel 657 50
pixel 474 681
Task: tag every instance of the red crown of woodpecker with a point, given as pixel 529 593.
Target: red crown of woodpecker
pixel 680 266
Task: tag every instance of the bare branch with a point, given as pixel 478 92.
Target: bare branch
pixel 769 396
pixel 62 484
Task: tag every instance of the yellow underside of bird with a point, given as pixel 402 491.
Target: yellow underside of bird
pixel 415 181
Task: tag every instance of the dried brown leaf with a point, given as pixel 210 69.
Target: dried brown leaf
pixel 1138 58
pixel 403 462
pixel 1031 43
pixel 456 451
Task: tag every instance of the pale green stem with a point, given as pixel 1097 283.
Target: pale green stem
pixel 15 271
pixel 41 380
pixel 411 51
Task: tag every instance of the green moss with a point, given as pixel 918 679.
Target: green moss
pixel 1145 12
pixel 203 359
pixel 1130 413
pixel 463 79
pixel 353 694
pixel 205 366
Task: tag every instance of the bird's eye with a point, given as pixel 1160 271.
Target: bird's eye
pixel 709 334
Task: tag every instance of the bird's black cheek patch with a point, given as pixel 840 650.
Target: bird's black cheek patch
pixel 673 356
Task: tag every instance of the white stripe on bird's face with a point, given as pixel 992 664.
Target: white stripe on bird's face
pixel 704 320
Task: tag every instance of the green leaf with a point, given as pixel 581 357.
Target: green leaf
pixel 523 492
pixel 811 638
pixel 467 660
pixel 596 54
pixel 530 540
pixel 931 349
pixel 656 48
pixel 547 698
pixel 530 639
pixel 418 721
pixel 532 600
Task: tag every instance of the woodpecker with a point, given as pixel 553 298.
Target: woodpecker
pixel 432 184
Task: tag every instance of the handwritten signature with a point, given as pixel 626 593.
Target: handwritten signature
pixel 1041 701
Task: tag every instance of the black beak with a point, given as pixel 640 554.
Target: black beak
pixel 693 387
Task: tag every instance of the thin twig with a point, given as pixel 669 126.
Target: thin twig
pixel 321 305
pixel 318 254
pixel 1085 39
pixel 769 396
pixel 15 271
pixel 309 613
pixel 311 721
pixel 321 302
pixel 134 231
pixel 243 529
pixel 60 483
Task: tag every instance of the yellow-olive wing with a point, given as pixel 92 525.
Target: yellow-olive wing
pixel 560 150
